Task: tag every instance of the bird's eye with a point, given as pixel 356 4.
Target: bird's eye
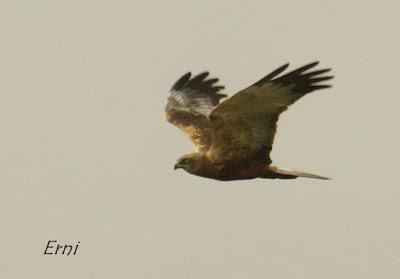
pixel 186 161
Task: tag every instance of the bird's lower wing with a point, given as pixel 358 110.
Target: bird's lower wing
pixel 244 126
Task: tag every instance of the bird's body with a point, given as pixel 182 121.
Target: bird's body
pixel 234 138
pixel 224 170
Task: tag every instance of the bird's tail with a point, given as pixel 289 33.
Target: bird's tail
pixel 288 174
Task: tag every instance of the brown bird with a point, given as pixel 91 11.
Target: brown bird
pixel 234 138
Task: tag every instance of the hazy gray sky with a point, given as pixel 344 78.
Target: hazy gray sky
pixel 87 156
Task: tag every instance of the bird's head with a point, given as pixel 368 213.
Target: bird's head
pixel 192 163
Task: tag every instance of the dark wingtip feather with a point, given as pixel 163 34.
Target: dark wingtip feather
pixel 271 75
pixel 276 72
pixel 210 82
pixel 304 68
pixel 201 76
pixel 197 80
pixel 319 79
pixel 199 84
pixel 303 81
pixel 316 73
pixel 181 81
pixel 316 87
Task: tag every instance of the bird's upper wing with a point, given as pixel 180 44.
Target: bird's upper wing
pixel 189 105
pixel 245 124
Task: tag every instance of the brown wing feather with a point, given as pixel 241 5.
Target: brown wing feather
pixel 189 104
pixel 244 126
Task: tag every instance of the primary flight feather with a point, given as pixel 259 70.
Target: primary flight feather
pixel 234 138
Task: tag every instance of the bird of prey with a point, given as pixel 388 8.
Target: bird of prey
pixel 234 138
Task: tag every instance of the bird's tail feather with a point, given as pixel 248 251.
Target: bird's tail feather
pixel 295 174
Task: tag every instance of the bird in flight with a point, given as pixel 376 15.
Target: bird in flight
pixel 234 137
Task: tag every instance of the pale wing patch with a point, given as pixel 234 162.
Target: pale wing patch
pixel 189 104
pixel 187 101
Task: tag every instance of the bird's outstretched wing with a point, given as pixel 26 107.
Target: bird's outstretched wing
pixel 245 124
pixel 189 105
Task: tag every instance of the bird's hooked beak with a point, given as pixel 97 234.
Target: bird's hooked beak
pixel 177 166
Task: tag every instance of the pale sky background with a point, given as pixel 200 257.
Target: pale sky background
pixel 87 156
